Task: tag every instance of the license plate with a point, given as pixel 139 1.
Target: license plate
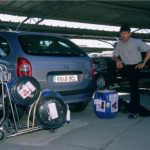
pixel 65 78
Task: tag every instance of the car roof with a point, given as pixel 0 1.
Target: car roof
pixel 33 33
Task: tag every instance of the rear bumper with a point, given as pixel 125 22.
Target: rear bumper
pixel 90 88
pixel 74 96
pixel 78 98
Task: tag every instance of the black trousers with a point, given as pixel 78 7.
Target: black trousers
pixel 133 76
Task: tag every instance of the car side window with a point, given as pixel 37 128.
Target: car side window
pixel 4 47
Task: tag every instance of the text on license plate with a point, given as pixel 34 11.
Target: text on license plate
pixel 65 78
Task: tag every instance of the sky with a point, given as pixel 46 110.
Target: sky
pixel 88 43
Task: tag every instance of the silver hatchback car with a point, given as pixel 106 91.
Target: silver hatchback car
pixel 56 62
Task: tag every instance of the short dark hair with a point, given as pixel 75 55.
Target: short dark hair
pixel 125 27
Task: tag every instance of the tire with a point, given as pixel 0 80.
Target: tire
pixel 101 82
pixel 20 110
pixel 78 107
pixel 6 108
pixel 52 130
pixel 3 135
pixel 9 112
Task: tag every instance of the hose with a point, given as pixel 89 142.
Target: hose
pixel 34 111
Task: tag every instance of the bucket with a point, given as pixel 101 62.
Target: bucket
pixel 24 90
pixel 51 110
pixel 106 103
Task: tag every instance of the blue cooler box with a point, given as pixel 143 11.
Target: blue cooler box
pixel 106 103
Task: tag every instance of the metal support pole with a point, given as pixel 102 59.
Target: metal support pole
pixel 54 14
pixel 3 103
pixel 11 107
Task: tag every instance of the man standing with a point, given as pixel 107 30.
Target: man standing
pixel 129 50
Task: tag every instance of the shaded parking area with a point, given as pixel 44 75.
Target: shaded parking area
pixel 88 132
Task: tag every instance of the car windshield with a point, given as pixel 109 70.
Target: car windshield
pixel 49 46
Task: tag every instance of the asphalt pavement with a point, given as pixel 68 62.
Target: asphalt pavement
pixel 86 131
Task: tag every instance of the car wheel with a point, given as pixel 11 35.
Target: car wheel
pixel 8 111
pixel 78 107
pixel 101 82
pixel 20 110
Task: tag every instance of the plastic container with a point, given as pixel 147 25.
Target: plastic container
pixel 106 103
pixel 51 110
pixel 24 90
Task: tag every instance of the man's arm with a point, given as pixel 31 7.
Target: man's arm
pixel 118 62
pixel 141 65
pixel 116 59
pixel 147 56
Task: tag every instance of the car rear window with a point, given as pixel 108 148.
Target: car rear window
pixel 49 46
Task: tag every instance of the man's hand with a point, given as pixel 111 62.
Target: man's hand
pixel 140 66
pixel 119 64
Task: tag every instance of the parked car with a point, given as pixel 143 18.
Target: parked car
pixel 56 62
pixel 99 65
pixel 101 75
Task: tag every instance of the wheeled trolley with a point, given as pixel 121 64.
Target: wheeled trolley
pixel 48 110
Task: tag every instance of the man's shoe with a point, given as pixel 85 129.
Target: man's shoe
pixel 113 86
pixel 133 116
pixel 116 85
pixel 110 86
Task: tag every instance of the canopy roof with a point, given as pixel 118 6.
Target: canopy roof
pixel 135 13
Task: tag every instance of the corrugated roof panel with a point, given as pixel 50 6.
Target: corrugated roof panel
pixel 135 13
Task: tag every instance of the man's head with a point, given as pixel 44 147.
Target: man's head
pixel 125 32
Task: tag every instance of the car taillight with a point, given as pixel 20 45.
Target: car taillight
pixel 23 67
pixel 92 68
